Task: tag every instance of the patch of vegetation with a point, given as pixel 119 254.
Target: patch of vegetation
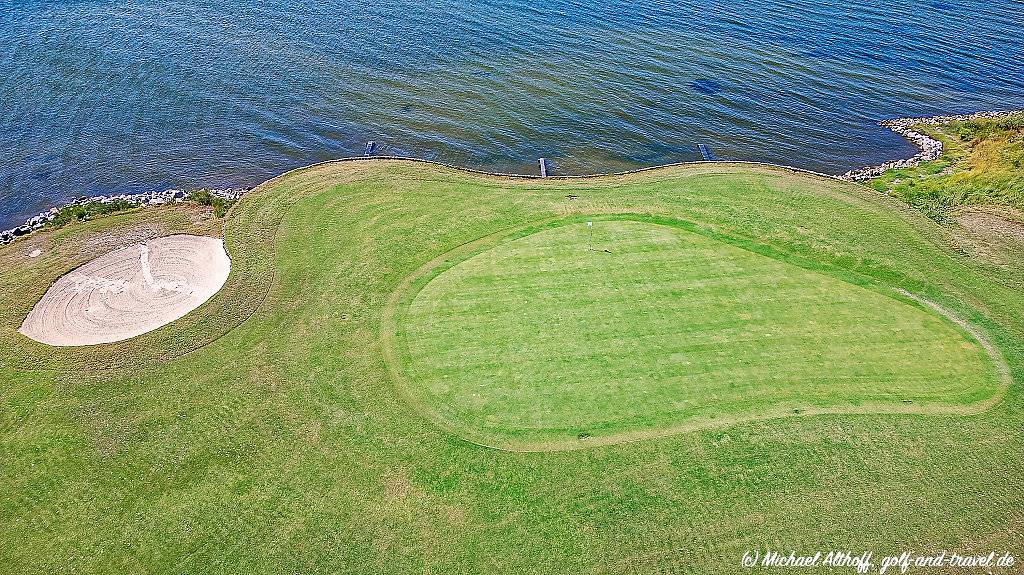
pixel 205 198
pixel 92 210
pixel 982 164
pixel 88 211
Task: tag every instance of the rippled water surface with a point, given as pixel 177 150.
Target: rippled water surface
pixel 137 95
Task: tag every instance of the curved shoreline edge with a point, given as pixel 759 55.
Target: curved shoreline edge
pixel 930 148
pixel 39 221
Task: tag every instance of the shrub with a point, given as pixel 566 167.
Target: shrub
pixel 87 211
pixel 205 198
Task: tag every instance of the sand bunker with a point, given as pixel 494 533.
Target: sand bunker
pixel 130 291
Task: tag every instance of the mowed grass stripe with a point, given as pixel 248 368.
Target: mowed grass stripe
pixel 543 338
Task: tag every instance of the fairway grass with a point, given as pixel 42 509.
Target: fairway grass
pixel 280 427
pixel 558 340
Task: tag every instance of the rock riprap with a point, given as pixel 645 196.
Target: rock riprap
pixel 930 148
pixel 39 221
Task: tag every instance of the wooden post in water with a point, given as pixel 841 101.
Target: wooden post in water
pixel 543 168
pixel 705 152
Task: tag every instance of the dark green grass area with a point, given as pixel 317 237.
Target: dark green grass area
pixel 265 432
pixel 982 164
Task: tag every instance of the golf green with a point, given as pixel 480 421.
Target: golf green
pixel 617 329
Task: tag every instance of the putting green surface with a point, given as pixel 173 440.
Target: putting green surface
pixel 282 428
pixel 549 338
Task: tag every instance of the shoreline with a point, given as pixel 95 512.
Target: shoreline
pixel 930 149
pixel 169 196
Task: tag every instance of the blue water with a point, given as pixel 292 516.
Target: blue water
pixel 137 95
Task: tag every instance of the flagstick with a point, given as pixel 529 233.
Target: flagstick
pixel 590 246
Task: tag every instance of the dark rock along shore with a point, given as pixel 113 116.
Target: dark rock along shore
pixel 931 149
pixel 40 220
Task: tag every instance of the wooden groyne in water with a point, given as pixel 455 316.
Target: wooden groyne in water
pixel 708 157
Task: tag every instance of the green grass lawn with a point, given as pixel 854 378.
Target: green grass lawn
pixel 545 341
pixel 271 430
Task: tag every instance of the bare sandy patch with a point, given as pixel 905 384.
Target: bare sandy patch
pixel 129 291
pixel 993 234
pixel 1006 223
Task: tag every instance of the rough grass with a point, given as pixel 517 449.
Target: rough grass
pixel 982 164
pixel 264 432
pixel 547 341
